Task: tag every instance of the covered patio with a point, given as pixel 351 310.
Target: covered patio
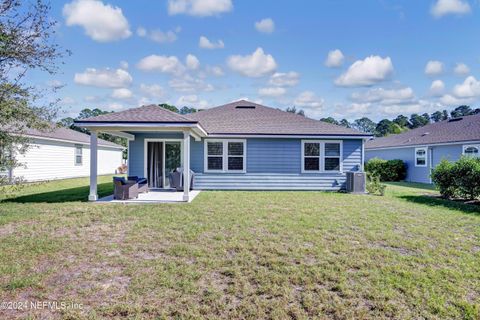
pixel 159 141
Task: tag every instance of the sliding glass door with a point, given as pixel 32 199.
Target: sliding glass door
pixel 162 158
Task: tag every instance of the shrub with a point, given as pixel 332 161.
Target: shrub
pixel 458 179
pixel 466 173
pixel 387 170
pixel 443 178
pixel 374 186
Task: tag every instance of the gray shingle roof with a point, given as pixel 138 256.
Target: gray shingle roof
pixel 262 120
pixel 456 130
pixel 144 114
pixel 239 117
pixel 66 134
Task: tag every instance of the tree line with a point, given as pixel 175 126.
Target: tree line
pixel 402 123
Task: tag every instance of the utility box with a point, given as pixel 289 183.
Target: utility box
pixel 356 182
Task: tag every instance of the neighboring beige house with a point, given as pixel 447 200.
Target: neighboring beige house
pixel 64 153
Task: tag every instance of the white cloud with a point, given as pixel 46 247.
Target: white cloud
pixel 434 68
pixel 115 106
pixel 444 7
pixel 189 84
pixel 199 8
pixel 437 88
pixel 451 100
pixel 67 101
pixel 257 64
pixel 461 69
pixel 121 93
pixel 281 79
pixel 265 25
pixel 385 96
pixel 468 89
pixel 104 78
pixel 366 72
pixel 102 22
pixel 192 101
pixel 154 90
pixel 192 62
pixel 124 65
pixel 141 32
pixel 159 36
pixel 55 83
pixel 205 43
pixel 308 99
pixel 164 64
pixel 272 91
pixel 215 70
pixel 334 59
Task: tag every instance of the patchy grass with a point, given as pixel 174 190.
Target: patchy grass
pixel 242 255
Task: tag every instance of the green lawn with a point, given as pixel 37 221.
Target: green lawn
pixel 249 255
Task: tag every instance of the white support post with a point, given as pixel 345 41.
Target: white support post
pixel 186 166
pixel 93 196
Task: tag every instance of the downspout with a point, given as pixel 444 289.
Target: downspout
pixel 430 164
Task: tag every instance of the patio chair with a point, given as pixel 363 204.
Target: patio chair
pixel 123 189
pixel 176 179
pixel 142 183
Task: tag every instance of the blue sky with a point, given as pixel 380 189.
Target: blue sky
pixel 376 58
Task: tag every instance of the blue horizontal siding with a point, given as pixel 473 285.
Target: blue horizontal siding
pixel 266 160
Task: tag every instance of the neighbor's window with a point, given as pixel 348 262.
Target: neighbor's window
pixel 225 156
pixel 471 150
pixel 78 155
pixel 319 156
pixel 420 157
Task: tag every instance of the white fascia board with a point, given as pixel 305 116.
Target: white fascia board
pixel 71 141
pixel 245 136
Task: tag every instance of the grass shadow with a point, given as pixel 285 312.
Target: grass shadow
pixel 63 195
pixel 437 202
pixel 413 185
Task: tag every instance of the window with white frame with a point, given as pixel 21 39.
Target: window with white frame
pixel 78 155
pixel 225 155
pixel 321 156
pixel 471 150
pixel 420 157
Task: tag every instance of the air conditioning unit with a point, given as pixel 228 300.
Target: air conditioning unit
pixel 356 182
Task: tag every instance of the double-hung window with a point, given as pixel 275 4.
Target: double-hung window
pixel 78 155
pixel 471 150
pixel 321 156
pixel 225 155
pixel 421 157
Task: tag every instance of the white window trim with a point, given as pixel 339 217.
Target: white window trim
pixel 425 156
pixel 224 156
pixel 465 146
pixel 76 147
pixel 322 156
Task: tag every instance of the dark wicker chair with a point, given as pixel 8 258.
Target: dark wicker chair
pixel 142 183
pixel 123 189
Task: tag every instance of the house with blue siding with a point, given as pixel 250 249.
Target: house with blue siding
pixel 237 146
pixel 423 148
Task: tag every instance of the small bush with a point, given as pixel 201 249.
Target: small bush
pixel 466 173
pixel 458 179
pixel 443 178
pixel 387 170
pixel 374 186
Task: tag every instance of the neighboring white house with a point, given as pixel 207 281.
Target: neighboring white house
pixel 64 153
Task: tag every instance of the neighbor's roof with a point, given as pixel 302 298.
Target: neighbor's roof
pixel 144 114
pixel 236 118
pixel 447 131
pixel 65 134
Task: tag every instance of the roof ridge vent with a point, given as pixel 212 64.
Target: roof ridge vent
pixel 244 107
pixel 455 119
pixel 425 134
